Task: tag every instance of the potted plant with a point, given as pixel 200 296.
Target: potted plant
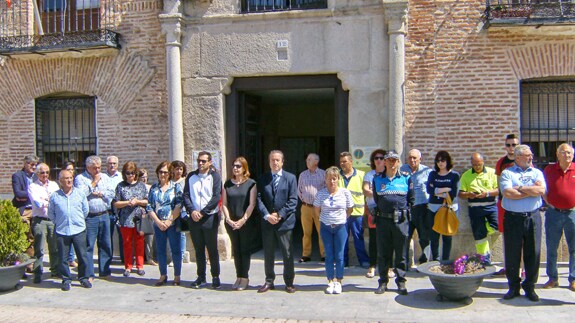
pixel 457 280
pixel 13 244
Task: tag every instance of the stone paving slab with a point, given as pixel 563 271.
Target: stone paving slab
pixel 135 299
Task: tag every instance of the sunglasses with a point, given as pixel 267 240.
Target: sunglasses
pixel 237 166
pixel 44 172
pixel 162 172
pixel 441 161
pixel 129 173
pixel 510 145
pixel 378 158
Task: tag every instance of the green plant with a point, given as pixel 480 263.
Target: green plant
pixel 13 239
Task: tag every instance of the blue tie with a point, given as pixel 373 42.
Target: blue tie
pixel 276 181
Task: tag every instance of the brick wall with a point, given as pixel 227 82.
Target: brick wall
pixel 462 80
pixel 130 87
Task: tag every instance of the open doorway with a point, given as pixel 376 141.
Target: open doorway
pixel 296 114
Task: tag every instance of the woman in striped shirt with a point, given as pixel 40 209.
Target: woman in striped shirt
pixel 334 205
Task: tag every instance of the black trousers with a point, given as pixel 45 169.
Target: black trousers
pixel 241 248
pixel 283 239
pixel 417 222
pixel 522 232
pixel 203 239
pixel 391 237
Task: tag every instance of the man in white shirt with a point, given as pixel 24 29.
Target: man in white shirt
pixel 39 193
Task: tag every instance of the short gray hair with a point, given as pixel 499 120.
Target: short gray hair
pixel 93 160
pixel 276 152
pixel 314 155
pixel 564 145
pixel 31 159
pixel 41 165
pixel 519 149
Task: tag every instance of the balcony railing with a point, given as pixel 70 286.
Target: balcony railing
pixel 526 12
pixel 250 6
pixel 40 26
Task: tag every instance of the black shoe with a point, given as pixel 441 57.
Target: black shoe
pixel 65 287
pixel 37 279
pixel 86 283
pixel 304 259
pixel 381 289
pixel 265 287
pixel 532 296
pixel 198 282
pixel 512 293
pixel 322 259
pixel 401 288
pixel 290 289
pixel 422 259
pixel 216 284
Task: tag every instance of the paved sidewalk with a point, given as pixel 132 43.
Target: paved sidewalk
pixel 135 299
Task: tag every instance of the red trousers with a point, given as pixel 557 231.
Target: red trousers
pixel 131 236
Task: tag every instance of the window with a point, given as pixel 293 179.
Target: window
pixel 65 130
pixel 281 5
pixel 547 117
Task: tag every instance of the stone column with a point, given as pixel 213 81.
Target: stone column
pixel 171 27
pixel 396 17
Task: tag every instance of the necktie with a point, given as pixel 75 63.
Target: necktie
pixel 276 181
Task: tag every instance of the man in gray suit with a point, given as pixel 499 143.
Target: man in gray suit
pixel 277 202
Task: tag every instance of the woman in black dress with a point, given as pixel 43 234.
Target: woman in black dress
pixel 239 200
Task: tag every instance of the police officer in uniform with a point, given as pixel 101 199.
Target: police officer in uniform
pixel 393 194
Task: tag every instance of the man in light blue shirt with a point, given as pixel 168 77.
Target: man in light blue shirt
pixel 68 209
pixel 115 178
pixel 419 174
pixel 522 186
pixel 99 192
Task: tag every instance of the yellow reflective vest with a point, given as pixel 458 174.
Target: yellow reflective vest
pixel 355 187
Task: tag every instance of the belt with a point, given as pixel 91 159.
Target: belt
pixel 306 204
pixel 521 214
pixel 333 226
pixel 481 204
pixel 562 210
pixel 91 215
pixel 42 218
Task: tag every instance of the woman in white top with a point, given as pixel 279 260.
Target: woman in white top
pixel 333 205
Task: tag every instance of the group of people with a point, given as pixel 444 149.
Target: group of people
pixel 396 199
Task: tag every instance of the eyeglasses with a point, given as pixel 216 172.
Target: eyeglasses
pixel 237 166
pixel 510 145
pixel 44 172
pixel 163 172
pixel 202 161
pixel 378 158
pixel 129 173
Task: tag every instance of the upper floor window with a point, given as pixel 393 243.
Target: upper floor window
pixel 281 5
pixel 547 117
pixel 65 130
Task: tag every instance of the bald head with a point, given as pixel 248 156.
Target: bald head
pixel 477 162
pixel 414 159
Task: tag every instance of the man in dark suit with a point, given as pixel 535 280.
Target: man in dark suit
pixel 20 182
pixel 277 202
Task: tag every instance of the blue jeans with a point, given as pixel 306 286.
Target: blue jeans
pixel 98 227
pixel 65 243
pixel 557 223
pixel 354 228
pixel 334 240
pixel 174 238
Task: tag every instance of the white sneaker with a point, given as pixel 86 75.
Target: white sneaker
pixel 337 288
pixel 330 288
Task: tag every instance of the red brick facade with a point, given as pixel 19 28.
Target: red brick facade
pixel 130 88
pixel 463 80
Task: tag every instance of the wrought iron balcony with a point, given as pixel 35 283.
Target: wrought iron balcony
pixel 44 26
pixel 527 12
pixel 250 6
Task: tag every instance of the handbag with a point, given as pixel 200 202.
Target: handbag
pixel 144 224
pixel 445 221
pixel 184 224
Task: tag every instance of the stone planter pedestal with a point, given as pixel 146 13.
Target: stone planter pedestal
pixel 10 276
pixel 457 288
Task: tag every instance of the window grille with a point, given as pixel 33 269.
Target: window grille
pixel 65 130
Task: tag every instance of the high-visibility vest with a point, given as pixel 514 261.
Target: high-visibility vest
pixel 355 187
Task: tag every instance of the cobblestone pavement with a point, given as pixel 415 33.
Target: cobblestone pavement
pixel 135 299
